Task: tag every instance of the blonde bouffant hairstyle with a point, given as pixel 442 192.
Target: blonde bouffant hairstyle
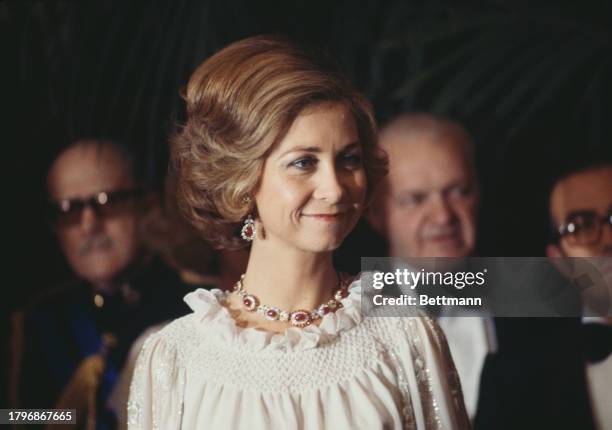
pixel 240 103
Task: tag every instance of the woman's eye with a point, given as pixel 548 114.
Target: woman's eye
pixel 303 163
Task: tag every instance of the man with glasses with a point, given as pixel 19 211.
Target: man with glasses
pixel 75 338
pixel 581 211
pixel 95 208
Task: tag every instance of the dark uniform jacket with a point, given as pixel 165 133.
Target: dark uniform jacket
pixel 54 335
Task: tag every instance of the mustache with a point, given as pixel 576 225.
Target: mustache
pixel 98 241
pixel 435 231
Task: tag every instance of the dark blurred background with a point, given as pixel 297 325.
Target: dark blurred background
pixel 530 80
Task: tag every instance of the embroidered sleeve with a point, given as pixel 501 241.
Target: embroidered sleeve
pixel 157 389
pixel 440 366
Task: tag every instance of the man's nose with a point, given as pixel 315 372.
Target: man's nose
pixel 330 186
pixel 440 210
pixel 90 220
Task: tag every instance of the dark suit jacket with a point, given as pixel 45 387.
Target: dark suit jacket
pixel 536 379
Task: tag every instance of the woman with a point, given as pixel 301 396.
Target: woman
pixel 279 151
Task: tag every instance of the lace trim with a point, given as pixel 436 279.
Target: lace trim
pixel 208 306
pixel 431 409
pixel 406 410
pixel 166 387
pixel 136 400
pixel 454 383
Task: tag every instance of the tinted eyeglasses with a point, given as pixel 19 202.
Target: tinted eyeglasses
pixel 68 212
pixel 584 228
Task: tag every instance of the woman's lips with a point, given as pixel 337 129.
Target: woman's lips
pixel 325 217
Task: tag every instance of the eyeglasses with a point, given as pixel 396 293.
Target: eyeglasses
pixel 68 212
pixel 584 228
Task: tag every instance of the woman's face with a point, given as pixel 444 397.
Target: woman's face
pixel 313 184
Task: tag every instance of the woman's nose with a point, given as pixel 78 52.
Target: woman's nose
pixel 330 186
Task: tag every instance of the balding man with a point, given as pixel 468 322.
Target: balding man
pixel 75 338
pixel 427 207
pixel 96 206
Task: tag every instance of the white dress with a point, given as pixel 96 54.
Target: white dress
pixel 204 372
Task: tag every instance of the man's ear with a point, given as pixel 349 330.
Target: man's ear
pixel 563 265
pixel 553 251
pixel 376 215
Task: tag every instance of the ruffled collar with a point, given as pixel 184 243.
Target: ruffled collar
pixel 207 305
